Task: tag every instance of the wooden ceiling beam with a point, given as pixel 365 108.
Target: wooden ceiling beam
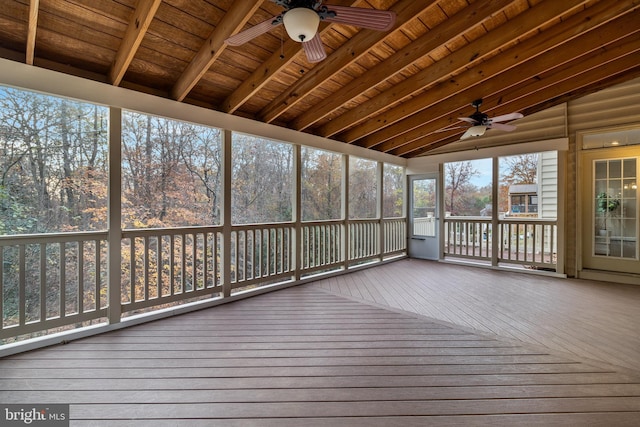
pixel 608 81
pixel 468 55
pixel 512 65
pixel 267 70
pixel 419 48
pixel 138 26
pixel 584 71
pixel 356 47
pixel 34 6
pixel 576 59
pixel 236 17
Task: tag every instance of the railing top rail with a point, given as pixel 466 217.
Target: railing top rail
pixel 177 230
pixel 323 222
pixel 262 226
pixel 52 237
pixel 169 230
pixel 529 220
pixel 468 218
pixel 342 221
pixel 364 220
pixel 502 220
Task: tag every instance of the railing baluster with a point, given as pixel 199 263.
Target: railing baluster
pixel 63 279
pixel 43 282
pixel 159 265
pixel 145 267
pixel 183 262
pixel 172 261
pixel 22 300
pixel 80 308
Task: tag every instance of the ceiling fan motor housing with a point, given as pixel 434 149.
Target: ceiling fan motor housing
pixel 478 117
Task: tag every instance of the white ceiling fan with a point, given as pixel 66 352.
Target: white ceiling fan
pixel 301 19
pixel 480 122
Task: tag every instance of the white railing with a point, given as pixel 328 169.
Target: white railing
pixel 261 253
pixel 424 226
pixel 529 242
pixel 468 237
pixel 364 240
pixel 163 266
pixel 321 248
pixel 54 282
pixel 394 237
pixel 523 241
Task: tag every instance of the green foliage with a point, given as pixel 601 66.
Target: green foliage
pixel 460 192
pixel 49 146
pixel 606 203
pixel 362 188
pixel 262 178
pixel 321 189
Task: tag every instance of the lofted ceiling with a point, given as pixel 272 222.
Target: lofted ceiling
pixel 399 91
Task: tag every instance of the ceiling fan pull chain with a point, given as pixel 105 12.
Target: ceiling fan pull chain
pixel 282 44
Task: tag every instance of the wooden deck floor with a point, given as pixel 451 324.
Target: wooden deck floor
pixel 309 356
pixel 592 320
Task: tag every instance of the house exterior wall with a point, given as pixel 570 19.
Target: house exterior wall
pixel 613 107
pixel 548 184
pixel 616 106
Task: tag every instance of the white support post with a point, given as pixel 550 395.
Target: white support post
pixel 441 213
pixel 114 204
pixel 495 224
pixel 380 208
pixel 345 210
pixel 226 213
pixel 561 236
pixel 297 211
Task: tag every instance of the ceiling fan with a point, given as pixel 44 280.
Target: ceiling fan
pixel 480 122
pixel 301 19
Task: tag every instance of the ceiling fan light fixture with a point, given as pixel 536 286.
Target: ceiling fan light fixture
pixel 301 23
pixel 474 131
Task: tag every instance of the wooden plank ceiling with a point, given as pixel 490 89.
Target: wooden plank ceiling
pixel 391 91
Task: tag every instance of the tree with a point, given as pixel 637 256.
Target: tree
pixel 51 148
pixel 520 169
pixel 458 187
pixel 393 196
pixel 321 190
pixel 262 178
pixel 362 188
pixel 170 172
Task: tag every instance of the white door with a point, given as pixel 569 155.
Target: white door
pixel 424 221
pixel 611 224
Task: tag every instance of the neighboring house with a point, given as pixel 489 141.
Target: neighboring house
pixel 538 200
pixel 523 200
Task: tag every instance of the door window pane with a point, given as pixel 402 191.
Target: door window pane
pixel 615 208
pixel 424 207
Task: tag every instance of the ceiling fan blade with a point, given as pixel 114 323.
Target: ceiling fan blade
pixel 314 49
pixel 257 30
pixel 506 117
pixel 467 119
pixel 474 131
pixel 372 19
pixel 502 126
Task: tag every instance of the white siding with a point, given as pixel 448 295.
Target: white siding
pixel 548 184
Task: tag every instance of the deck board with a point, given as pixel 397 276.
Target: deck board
pixel 588 319
pixel 333 353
